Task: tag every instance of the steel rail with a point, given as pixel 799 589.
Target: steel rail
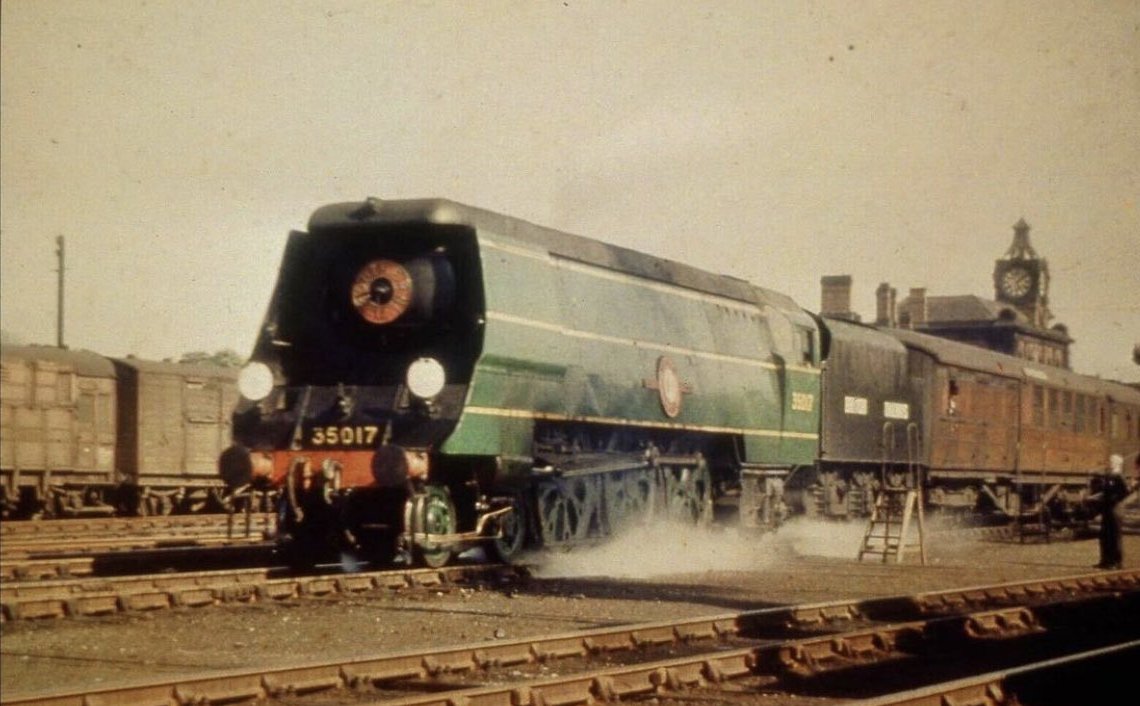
pixel 61 566
pixel 90 545
pixel 36 569
pixel 86 597
pixel 797 655
pixel 18 529
pixel 1003 686
pixel 93 597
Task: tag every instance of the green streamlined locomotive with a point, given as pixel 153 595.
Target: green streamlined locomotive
pixel 431 376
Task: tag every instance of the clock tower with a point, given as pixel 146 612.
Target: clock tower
pixel 1021 278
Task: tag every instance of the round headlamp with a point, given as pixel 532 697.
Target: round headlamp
pixel 255 381
pixel 426 378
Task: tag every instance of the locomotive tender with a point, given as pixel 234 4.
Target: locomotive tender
pixel 83 434
pixel 431 376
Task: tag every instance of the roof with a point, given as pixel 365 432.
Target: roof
pixel 202 370
pixel 862 335
pixel 558 243
pixel 83 362
pixel 964 355
pixel 967 308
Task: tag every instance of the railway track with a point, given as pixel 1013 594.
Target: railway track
pixel 1063 681
pixel 81 569
pixel 34 550
pixel 72 537
pixel 20 529
pixel 93 597
pixel 843 648
pixel 181 555
pixel 70 547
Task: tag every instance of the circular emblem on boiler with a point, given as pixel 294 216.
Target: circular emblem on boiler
pixel 669 388
pixel 382 291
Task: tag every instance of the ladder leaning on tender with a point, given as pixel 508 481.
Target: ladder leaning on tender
pixel 897 505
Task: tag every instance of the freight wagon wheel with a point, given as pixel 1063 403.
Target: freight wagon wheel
pixel 71 503
pixel 30 504
pixel 193 502
pixel 435 514
pixel 156 504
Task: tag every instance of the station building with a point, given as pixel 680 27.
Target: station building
pixel 1016 321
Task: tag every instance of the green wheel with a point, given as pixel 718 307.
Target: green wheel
pixel 435 514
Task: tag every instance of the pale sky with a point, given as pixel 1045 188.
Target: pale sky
pixel 175 143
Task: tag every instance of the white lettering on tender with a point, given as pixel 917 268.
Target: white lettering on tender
pixel 896 410
pixel 803 401
pixel 855 405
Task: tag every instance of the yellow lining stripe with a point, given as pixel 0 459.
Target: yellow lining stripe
pixel 551 416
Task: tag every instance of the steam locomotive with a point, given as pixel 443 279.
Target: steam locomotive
pixel 83 434
pixel 431 377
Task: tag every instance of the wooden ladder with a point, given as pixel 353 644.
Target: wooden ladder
pixel 897 505
pixel 887 532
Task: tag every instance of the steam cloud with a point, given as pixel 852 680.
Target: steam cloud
pixel 663 548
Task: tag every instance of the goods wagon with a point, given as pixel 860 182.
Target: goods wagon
pixel 86 434
pixel 58 430
pixel 174 421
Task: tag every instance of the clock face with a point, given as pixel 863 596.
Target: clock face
pixel 1016 282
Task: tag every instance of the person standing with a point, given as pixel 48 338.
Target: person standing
pixel 1109 501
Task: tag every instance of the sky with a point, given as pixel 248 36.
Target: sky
pixel 173 144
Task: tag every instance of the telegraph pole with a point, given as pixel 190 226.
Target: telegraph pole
pixel 59 298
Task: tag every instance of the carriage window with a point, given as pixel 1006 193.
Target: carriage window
pixel 1102 419
pixel 1054 409
pixel 1067 408
pixel 952 398
pixel 1079 416
pixel 1115 433
pixel 1038 406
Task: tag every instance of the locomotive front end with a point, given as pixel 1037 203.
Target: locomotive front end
pixel 359 373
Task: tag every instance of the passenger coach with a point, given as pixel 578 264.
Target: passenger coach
pixel 1013 436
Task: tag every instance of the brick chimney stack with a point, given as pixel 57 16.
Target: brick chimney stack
pixel 836 297
pixel 886 311
pixel 916 306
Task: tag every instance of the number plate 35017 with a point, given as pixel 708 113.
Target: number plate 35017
pixel 343 435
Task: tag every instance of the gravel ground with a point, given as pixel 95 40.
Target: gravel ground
pixel 644 577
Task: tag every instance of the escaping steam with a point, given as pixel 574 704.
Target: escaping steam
pixel 664 548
